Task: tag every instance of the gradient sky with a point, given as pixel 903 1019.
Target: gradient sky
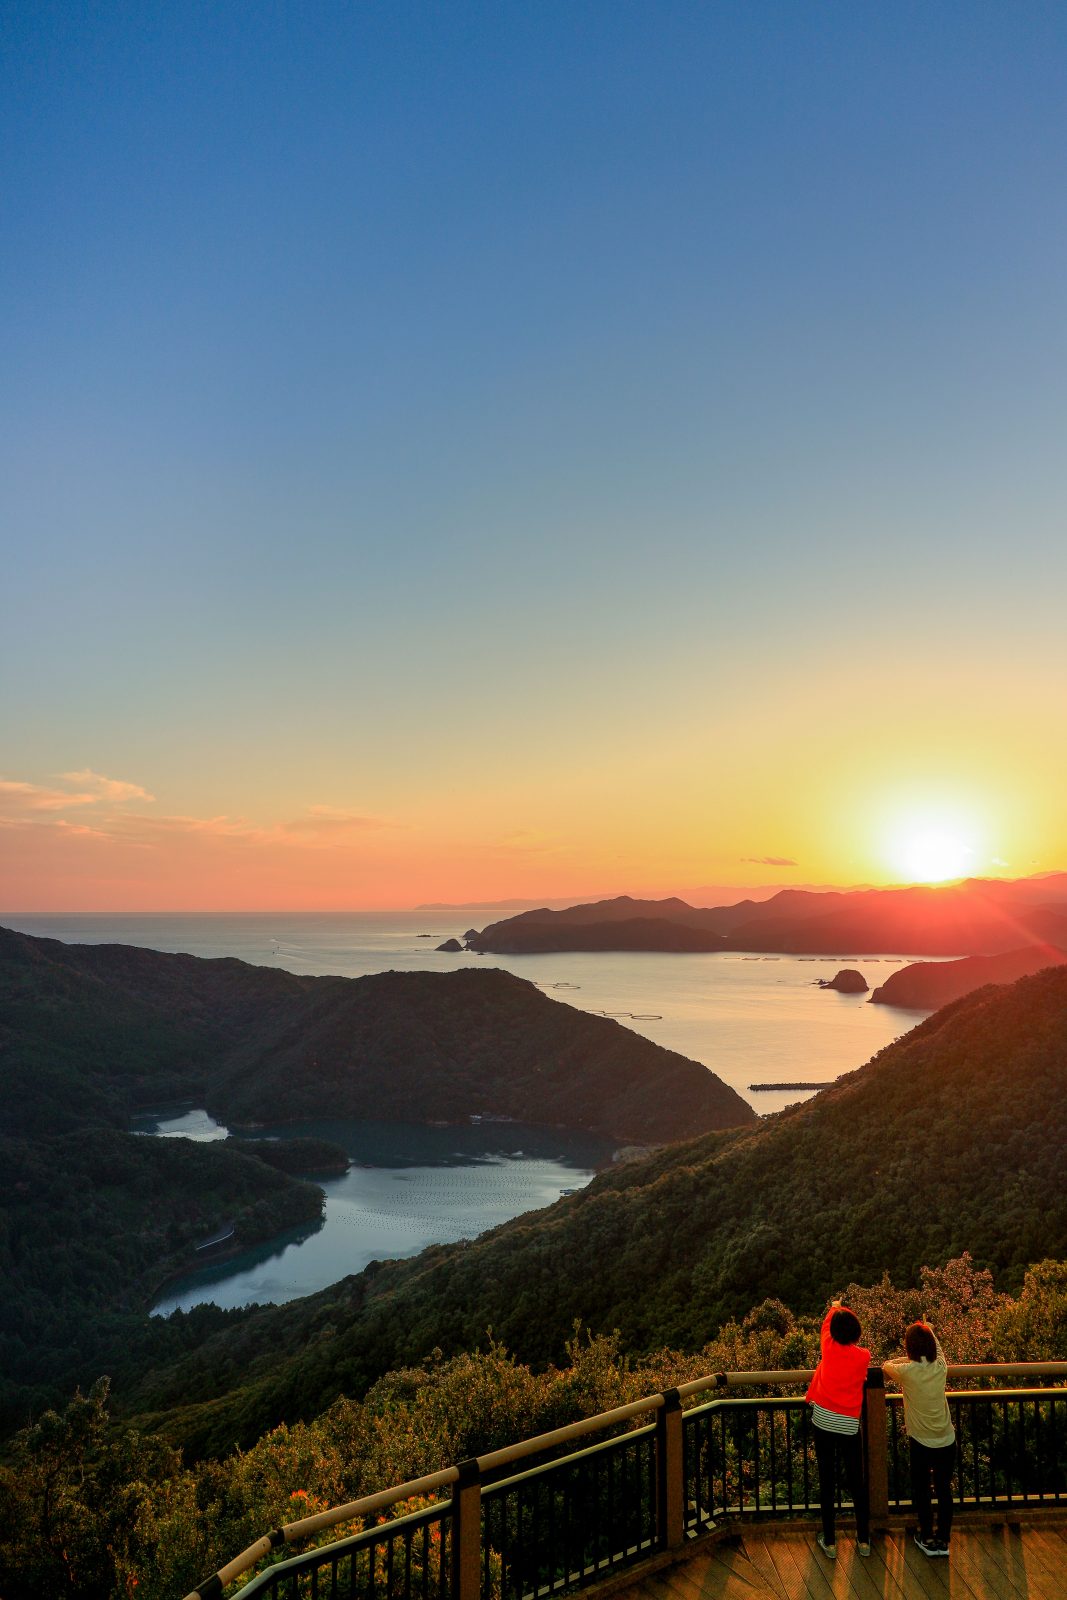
pixel 457 451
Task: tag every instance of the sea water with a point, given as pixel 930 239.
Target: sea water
pixel 407 1187
pixel 750 1018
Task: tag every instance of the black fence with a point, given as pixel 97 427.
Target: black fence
pixel 1011 1448
pixel 570 1521
pixel 746 1458
pixel 399 1558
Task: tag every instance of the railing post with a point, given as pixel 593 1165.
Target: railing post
pixel 876 1452
pixel 467 1532
pixel 670 1472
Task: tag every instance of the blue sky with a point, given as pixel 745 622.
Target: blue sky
pixel 396 393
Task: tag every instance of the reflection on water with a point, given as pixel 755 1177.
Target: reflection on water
pixel 409 1187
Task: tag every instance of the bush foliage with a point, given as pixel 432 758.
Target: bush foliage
pixel 97 1511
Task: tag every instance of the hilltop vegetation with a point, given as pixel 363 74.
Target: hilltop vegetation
pixel 96 1512
pixel 926 985
pixel 91 1032
pixel 950 1139
pixel 93 1219
pixel 91 1225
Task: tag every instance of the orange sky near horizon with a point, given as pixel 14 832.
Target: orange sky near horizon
pixel 83 841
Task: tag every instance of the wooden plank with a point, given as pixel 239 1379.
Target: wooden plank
pixel 972 1564
pixel 789 1575
pixel 1039 1548
pixel 1005 1549
pixel 889 1552
pixel 885 1568
pixel 707 1577
pixel 867 1575
pixel 1026 1561
pixel 733 1555
pixel 755 1547
pixel 961 1575
pixel 926 1576
pixel 812 1574
pixel 1056 1536
pixel 675 1583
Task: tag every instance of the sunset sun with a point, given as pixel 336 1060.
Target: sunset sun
pixel 931 853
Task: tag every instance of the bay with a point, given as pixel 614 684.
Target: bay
pixel 409 1186
pixel 750 1018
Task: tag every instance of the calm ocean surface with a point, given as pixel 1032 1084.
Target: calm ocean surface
pixel 751 1019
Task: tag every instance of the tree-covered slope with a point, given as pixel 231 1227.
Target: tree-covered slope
pixel 92 1218
pixel 927 985
pixel 91 1223
pixel 88 1033
pixel 951 1139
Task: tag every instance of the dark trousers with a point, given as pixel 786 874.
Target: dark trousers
pixel 938 1463
pixel 847 1448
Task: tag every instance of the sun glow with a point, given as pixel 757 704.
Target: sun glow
pixel 933 856
pixel 932 846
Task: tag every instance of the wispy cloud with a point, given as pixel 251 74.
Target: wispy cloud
pixel 77 830
pixel 98 787
pixel 111 811
pixel 29 802
pixel 770 861
pixel 25 801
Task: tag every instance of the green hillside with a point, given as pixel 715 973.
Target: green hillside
pixel 949 1140
pixel 89 1033
pixel 93 1219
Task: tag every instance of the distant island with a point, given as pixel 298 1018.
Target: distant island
pixel 928 985
pixel 976 917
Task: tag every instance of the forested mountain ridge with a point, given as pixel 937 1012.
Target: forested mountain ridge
pixel 93 1218
pixel 90 1032
pixel 975 917
pixel 951 1139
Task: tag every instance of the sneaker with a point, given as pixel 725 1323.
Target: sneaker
pixel 939 1547
pixel 928 1546
pixel 828 1550
pixel 865 1549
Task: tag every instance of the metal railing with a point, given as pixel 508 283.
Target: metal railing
pixel 1011 1448
pixel 748 1457
pixel 570 1521
pixel 657 1476
pixel 408 1555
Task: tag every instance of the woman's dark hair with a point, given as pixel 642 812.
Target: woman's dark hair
pixel 920 1342
pixel 844 1327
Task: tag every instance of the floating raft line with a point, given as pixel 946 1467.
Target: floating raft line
pixel 753 1088
pixel 634 1016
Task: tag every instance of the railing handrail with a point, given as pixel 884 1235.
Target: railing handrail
pixel 367 1505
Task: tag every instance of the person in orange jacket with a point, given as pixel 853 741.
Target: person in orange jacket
pixel 836 1398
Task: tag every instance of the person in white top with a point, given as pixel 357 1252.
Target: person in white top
pixel 931 1437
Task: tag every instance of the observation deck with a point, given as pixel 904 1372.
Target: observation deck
pixel 705 1492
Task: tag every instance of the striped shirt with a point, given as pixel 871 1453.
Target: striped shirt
pixel 833 1421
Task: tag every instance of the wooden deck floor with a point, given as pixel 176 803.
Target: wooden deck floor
pixel 1005 1562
